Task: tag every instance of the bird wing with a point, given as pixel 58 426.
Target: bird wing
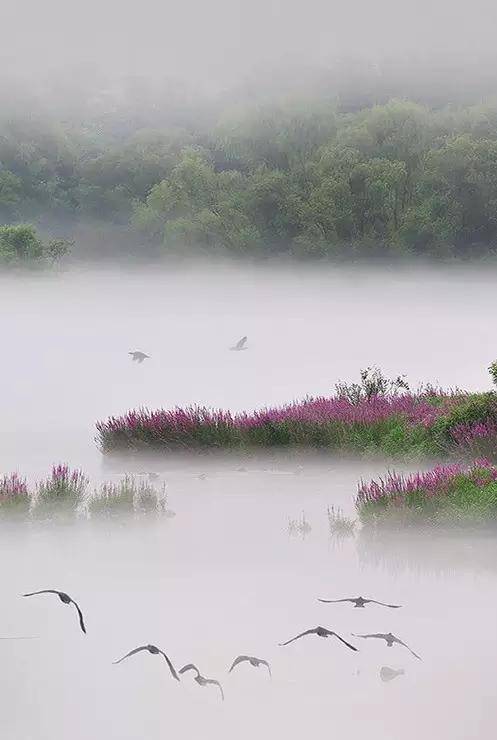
pixel 171 667
pixel 264 662
pixel 302 634
pixel 189 667
pixel 376 634
pixel 241 343
pixel 382 603
pixel 45 591
pixel 80 615
pixel 344 641
pixel 216 683
pixel 131 652
pixel 240 659
pixel 407 646
pixel 335 601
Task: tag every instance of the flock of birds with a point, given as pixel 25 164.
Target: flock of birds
pixel 386 673
pixel 139 357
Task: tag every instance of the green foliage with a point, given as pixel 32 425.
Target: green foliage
pixel 471 409
pixel 297 175
pixel 21 245
pixel 493 371
pixel 373 383
pixel 469 499
pixel 128 495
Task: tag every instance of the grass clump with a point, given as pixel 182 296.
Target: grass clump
pixel 340 526
pixel 128 495
pixel 14 494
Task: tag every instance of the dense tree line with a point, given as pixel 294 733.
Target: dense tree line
pixel 303 175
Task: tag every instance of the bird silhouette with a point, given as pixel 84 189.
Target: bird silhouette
pixel 153 650
pixel 139 356
pixel 359 602
pixel 241 344
pixel 66 599
pixel 390 639
pixel 255 662
pixel 320 632
pixel 201 680
pixel 388 674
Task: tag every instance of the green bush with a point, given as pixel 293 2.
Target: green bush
pixel 474 408
pixel 21 245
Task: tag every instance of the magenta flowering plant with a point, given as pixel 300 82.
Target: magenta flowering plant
pixel 395 486
pixel 321 421
pixel 63 483
pixel 13 487
pixel 456 489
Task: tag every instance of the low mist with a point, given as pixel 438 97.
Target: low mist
pixel 229 574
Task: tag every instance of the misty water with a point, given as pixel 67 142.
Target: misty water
pixel 228 575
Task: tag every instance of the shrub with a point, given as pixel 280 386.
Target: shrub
pixel 63 484
pixel 493 371
pixel 475 408
pixel 20 244
pixel 373 384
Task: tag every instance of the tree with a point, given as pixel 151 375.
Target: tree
pixel 20 244
pixel 56 249
pixel 10 194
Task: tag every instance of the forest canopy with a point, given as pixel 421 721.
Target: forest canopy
pixel 298 174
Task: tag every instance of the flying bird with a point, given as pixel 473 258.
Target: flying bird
pixel 65 600
pixel 390 640
pixel 241 344
pixel 255 662
pixel 359 602
pixel 320 632
pixel 139 356
pixel 153 650
pixel 388 674
pixel 201 680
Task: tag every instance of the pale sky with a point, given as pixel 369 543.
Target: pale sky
pixel 222 40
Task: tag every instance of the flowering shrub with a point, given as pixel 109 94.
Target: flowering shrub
pixel 63 483
pixel 317 422
pixel 14 492
pixel 445 489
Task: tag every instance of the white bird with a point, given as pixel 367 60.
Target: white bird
pixel 241 344
pixel 139 356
